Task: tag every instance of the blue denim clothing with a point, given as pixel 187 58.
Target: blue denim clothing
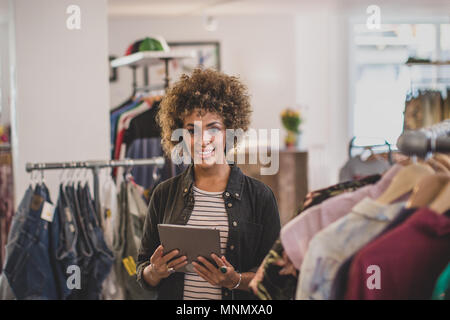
pixel 144 148
pixel 18 220
pixel 20 215
pixel 28 268
pixel 83 245
pixel 103 258
pixel 40 252
pixel 64 239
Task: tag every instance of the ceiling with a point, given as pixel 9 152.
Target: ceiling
pixel 240 7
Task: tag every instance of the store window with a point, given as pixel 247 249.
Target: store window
pixel 382 80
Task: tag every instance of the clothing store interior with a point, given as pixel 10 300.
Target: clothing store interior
pixel 348 196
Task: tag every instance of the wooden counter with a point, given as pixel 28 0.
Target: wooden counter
pixel 289 184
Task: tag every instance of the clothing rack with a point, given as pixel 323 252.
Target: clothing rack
pixel 95 166
pixel 421 142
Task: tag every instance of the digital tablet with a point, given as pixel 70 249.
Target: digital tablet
pixel 191 241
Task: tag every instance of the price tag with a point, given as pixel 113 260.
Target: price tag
pixel 129 265
pixel 48 211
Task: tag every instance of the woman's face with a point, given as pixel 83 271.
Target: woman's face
pixel 206 138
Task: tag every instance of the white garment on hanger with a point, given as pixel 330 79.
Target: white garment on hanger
pixel 109 216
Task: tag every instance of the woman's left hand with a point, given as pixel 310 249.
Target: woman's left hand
pixel 213 274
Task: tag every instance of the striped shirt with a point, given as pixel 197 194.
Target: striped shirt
pixel 209 211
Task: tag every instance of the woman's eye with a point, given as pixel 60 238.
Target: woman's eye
pixel 213 130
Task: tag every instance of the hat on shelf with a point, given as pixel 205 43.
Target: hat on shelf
pixel 148 44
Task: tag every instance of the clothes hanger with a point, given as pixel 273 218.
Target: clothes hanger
pixel 404 181
pixel 437 166
pixel 427 190
pixel 443 159
pixel 442 202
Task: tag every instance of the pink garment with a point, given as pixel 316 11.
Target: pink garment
pixel 296 234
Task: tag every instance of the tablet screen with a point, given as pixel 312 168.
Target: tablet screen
pixel 191 241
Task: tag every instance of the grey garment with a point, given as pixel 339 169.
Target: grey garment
pixel 356 168
pixel 125 247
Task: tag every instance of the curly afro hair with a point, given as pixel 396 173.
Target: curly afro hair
pixel 205 90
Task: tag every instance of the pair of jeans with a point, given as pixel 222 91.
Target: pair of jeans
pixel 18 219
pixel 28 268
pixel 64 241
pixel 103 258
pixel 84 248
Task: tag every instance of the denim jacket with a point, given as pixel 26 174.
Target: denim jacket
pixel 253 218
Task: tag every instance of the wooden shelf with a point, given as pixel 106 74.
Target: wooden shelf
pixel 148 58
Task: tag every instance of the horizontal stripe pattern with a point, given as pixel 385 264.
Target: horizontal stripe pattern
pixel 209 211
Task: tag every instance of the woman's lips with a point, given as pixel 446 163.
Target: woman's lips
pixel 206 153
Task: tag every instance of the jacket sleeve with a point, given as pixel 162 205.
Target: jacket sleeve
pixel 150 239
pixel 271 226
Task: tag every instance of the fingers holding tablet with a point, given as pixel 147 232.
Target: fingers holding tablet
pixel 178 263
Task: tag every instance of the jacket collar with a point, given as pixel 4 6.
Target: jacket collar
pixel 234 185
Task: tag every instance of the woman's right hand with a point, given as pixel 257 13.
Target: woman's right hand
pixel 160 265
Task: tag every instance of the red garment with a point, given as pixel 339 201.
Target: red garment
pixel 410 257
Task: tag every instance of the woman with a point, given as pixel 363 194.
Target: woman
pixel 210 192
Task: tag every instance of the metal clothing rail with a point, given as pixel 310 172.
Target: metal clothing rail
pixel 95 166
pixel 423 141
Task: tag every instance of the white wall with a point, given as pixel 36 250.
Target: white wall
pixel 4 62
pixel 259 49
pixel 62 110
pixel 322 88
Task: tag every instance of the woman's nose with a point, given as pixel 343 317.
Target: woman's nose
pixel 207 138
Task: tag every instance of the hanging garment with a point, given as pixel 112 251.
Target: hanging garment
pixel 6 201
pixel 114 117
pixel 6 292
pixel 29 269
pixel 446 106
pixel 318 196
pixel 272 285
pixel 442 289
pixel 124 122
pixel 408 260
pixel 338 241
pixel 85 251
pixel 103 258
pixel 148 176
pixel 297 233
pixel 339 287
pixel 64 239
pixel 423 110
pixel 110 218
pixel 143 126
pixel 125 247
pixel 355 168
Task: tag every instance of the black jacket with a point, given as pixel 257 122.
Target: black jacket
pixel 253 219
